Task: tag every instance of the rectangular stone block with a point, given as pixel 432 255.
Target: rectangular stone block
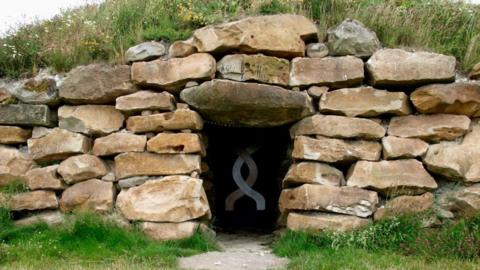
pixel 27 115
pixel 177 120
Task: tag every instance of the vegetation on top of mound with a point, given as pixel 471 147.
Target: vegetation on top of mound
pixel 103 33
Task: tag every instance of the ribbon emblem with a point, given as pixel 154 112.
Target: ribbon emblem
pixel 244 186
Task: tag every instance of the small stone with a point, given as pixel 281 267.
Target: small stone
pixel 171 199
pixel 146 100
pixel 90 119
pixel 176 120
pixel 342 200
pixel 313 173
pixel 351 37
pixel 317 50
pixel 431 128
pixel 119 142
pixel 134 181
pixel 78 168
pixel 14 164
pixel 27 115
pixel 110 176
pixel 44 178
pixel 179 143
pixel 34 200
pixel 391 178
pixel 57 145
pixel 5 96
pixel 145 51
pixel 181 49
pixel 38 132
pixel 142 164
pixel 396 67
pixel 51 218
pixel 364 101
pixel 174 73
pixel 169 231
pixel 405 205
pixel 455 98
pixel 338 127
pixel 395 147
pixel 335 150
pixel 318 222
pixel 190 84
pixel 462 201
pixel 91 195
pixel 475 72
pixel 334 72
pixel 317 91
pixel 14 135
pixel 260 68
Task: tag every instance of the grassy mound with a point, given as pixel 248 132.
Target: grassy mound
pixel 103 33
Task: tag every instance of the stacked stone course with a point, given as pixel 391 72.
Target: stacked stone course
pixel 370 139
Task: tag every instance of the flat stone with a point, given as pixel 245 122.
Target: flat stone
pixel 392 178
pixel 27 115
pixel 395 147
pixel 171 199
pixel 181 48
pixel 335 150
pixel 280 35
pixel 135 181
pixel 457 161
pixel 313 173
pixel 247 104
pixel 57 145
pixel 351 37
pixel 172 74
pixel 260 68
pixel 335 72
pixel 96 84
pixel 34 200
pixel 51 218
pixel 14 135
pixel 455 98
pixel 145 51
pixel 14 164
pixel 119 142
pixel 146 100
pixel 431 128
pixel 176 120
pixel 90 119
pixel 91 195
pixel 38 90
pixel 342 200
pixel 169 231
pixel 338 127
pixel 403 205
pixel 176 143
pixel 319 222
pixel 44 178
pixel 396 67
pixel 364 101
pixel 317 91
pixel 475 72
pixel 317 50
pixel 142 164
pixel 82 167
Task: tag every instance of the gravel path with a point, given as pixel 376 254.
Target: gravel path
pixel 240 251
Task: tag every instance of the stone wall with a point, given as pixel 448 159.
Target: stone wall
pixel 375 132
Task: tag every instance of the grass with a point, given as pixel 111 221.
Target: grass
pixel 102 33
pixel 89 242
pixel 399 243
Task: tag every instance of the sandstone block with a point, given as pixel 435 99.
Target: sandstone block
pixel 146 100
pixel 14 164
pixel 335 72
pixel 38 90
pixel 14 135
pixel 145 51
pixel 176 120
pixel 396 67
pixel 395 147
pixel 351 37
pixel 169 231
pixel 27 115
pixel 431 128
pixel 51 218
pixel 318 222
pixel 405 205
pixel 343 200
pixel 181 49
pixel 313 173
pixel 57 145
pixel 90 119
pixel 463 201
pixel 34 200
pixel 391 178
pixel 44 178
pixel 176 143
pixel 335 150
pixel 91 195
pixel 364 101
pixel 82 167
pixel 143 164
pixel 119 142
pixel 171 199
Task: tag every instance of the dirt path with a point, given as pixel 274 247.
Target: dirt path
pixel 240 251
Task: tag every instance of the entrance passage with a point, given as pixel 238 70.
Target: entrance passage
pixel 247 166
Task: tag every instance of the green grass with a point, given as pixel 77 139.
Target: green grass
pixel 399 243
pixel 14 187
pixel 89 242
pixel 102 33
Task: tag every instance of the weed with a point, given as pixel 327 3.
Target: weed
pixel 14 187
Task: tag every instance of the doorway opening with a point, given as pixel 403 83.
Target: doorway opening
pixel 247 166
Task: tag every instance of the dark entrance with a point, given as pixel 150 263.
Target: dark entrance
pixel 247 167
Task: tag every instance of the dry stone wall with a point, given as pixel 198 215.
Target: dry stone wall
pixel 375 132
